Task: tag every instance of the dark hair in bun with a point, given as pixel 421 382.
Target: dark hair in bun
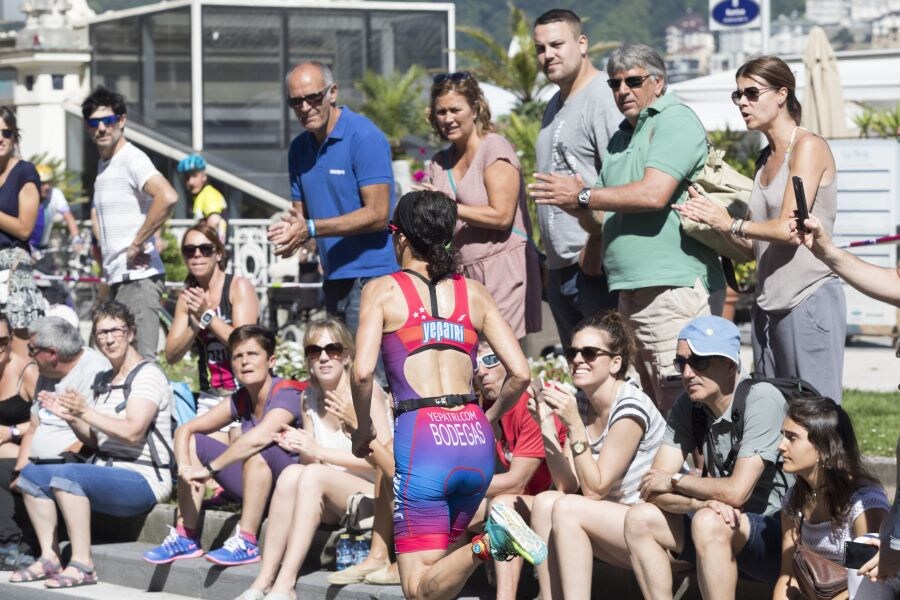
pixel 428 220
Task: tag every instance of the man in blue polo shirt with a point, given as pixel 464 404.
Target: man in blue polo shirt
pixel 342 187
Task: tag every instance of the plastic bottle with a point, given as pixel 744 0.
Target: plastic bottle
pixel 344 552
pixel 360 549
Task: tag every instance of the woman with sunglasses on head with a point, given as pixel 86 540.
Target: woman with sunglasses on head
pixel 212 304
pixel 19 201
pixel 834 498
pixel 318 489
pixel 800 315
pixel 426 321
pixel 607 454
pixel 248 468
pixel 481 171
pixel 129 422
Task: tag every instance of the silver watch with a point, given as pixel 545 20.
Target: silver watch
pixel 206 318
pixel 584 198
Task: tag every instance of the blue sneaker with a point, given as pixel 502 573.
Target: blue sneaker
pixel 235 551
pixel 510 537
pixel 174 547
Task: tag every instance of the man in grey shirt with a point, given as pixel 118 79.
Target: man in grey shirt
pixel 64 364
pixel 577 124
pixel 729 521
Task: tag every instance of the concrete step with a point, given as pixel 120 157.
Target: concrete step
pixel 101 591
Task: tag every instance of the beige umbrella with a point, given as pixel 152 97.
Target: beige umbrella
pixel 823 100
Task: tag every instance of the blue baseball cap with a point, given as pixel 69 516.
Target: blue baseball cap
pixel 713 336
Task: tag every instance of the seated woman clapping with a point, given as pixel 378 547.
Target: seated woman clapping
pixel 248 468
pixel 317 490
pixel 129 422
pixel 608 454
pixel 833 500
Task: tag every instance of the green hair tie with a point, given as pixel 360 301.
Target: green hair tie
pixel 448 245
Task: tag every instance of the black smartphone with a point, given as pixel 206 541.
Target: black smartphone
pixel 857 554
pixel 802 208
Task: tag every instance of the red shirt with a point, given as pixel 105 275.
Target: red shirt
pixel 521 436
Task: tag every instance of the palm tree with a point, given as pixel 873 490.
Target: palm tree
pixel 396 104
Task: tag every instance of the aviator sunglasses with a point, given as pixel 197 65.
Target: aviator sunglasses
pixel 697 363
pixel 632 82
pixel 333 350
pixel 189 250
pixel 588 353
pixel 752 93
pixel 453 77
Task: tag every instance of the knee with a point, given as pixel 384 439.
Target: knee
pixel 709 530
pixel 314 478
pixel 287 480
pixel 543 504
pixel 563 514
pixel 641 519
pixel 256 465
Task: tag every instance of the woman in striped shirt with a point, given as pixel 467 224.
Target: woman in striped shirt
pixel 608 453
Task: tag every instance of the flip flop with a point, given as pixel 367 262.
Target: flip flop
pixel 88 577
pixel 50 569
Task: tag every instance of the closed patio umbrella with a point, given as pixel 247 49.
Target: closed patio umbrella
pixel 823 99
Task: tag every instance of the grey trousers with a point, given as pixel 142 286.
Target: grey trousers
pixel 142 296
pixel 805 342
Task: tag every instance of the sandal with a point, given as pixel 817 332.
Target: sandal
pixel 48 569
pixel 88 577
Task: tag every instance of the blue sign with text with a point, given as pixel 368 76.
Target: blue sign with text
pixel 735 13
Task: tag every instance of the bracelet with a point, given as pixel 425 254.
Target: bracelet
pixel 311 227
pixel 741 233
pixel 480 548
pixel 736 225
pixel 208 467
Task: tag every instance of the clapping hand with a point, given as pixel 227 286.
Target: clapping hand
pixel 73 402
pixel 341 407
pixel 288 235
pixel 536 405
pixel 563 403
pixel 197 301
pixel 50 401
pixel 701 209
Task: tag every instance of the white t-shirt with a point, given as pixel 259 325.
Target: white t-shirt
pixel 122 205
pixel 53 435
pixel 149 384
pixel 632 403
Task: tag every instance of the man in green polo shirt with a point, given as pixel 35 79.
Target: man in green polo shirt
pixel 664 277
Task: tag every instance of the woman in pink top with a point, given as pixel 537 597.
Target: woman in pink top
pixel 481 172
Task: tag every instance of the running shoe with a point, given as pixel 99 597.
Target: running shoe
pixel 174 547
pixel 510 537
pixel 235 551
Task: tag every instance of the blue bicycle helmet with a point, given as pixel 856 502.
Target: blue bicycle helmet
pixel 191 162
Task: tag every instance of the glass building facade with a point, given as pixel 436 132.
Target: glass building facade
pixel 246 52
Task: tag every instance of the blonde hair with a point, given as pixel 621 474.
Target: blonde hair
pixel 339 331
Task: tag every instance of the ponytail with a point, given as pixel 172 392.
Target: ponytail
pixel 621 339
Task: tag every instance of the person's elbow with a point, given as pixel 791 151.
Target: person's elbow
pixel 596 492
pixel 168 197
pixel 518 377
pixel 363 375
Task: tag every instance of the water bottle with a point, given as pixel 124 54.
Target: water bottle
pixel 360 549
pixel 344 552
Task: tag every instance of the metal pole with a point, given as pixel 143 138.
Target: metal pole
pixel 196 76
pixel 765 17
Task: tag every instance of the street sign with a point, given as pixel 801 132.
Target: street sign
pixel 728 15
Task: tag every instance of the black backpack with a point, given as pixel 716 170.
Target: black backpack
pixel 790 388
pixel 102 385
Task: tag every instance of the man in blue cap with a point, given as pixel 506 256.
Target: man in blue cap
pixel 726 522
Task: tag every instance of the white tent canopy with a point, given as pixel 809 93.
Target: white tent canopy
pixel 869 77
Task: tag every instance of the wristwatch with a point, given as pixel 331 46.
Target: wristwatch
pixel 15 435
pixel 206 318
pixel 579 447
pixel 676 478
pixel 212 472
pixel 584 198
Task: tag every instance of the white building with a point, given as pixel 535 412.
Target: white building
pixel 830 12
pixel 689 46
pixel 886 30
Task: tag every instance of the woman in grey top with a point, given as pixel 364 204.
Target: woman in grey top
pixel 799 320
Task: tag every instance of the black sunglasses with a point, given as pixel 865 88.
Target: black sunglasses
pixel 313 100
pixel 752 93
pixel 333 350
pixel 632 82
pixel 189 250
pixel 453 77
pixel 697 363
pixel 489 360
pixel 7 133
pixel 108 120
pixel 588 353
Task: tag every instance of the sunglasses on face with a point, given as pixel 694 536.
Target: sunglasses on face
pixel 632 82
pixel 697 363
pixel 313 100
pixel 588 353
pixel 752 93
pixel 488 361
pixel 189 250
pixel 4 341
pixel 34 351
pixel 453 77
pixel 7 133
pixel 333 350
pixel 108 120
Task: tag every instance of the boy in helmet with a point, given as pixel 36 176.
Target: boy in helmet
pixel 209 203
